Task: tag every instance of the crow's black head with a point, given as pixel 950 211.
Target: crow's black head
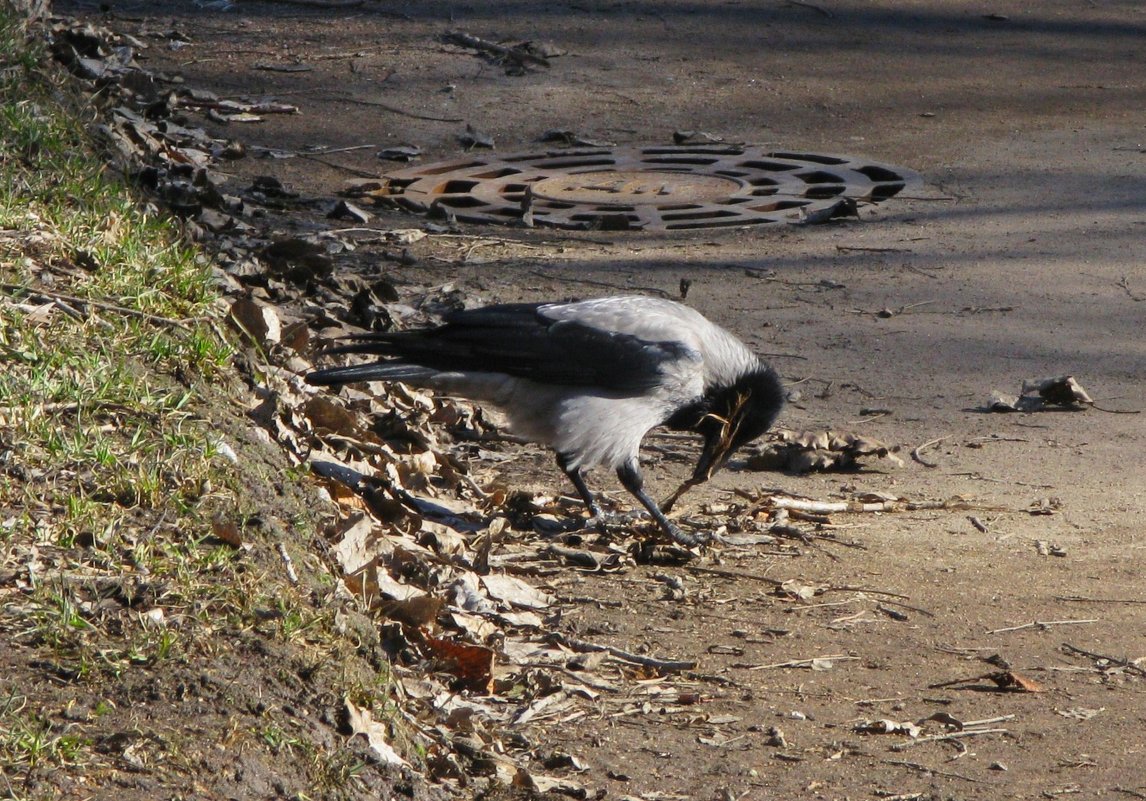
pixel 732 416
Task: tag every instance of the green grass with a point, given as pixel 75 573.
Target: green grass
pixel 108 335
pixel 111 475
pixel 29 740
pixel 79 394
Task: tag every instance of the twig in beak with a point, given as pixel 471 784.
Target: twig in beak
pixel 716 450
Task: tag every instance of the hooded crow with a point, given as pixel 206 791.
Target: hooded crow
pixel 589 379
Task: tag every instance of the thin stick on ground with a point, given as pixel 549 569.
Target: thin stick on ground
pixel 395 110
pixel 520 55
pixel 933 771
pixel 336 166
pixel 857 249
pixel 801 663
pixel 774 499
pixel 737 574
pixel 955 735
pixel 583 646
pixel 917 453
pixel 1043 624
pixel 987 721
pixel 288 563
pixel 902 605
pixel 1081 599
pixel 1133 667
pixel 100 304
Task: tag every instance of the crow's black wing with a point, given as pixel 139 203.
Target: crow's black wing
pixel 519 340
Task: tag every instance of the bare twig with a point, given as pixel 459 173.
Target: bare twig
pixel 1098 408
pixel 734 574
pixel 583 646
pixel 995 438
pixel 288 563
pixel 917 453
pixel 99 304
pixel 1079 599
pixel 829 507
pixel 984 309
pixel 933 771
pixel 333 165
pixel 1042 624
pixel 955 735
pixel 395 110
pixel 918 609
pixel 874 416
pixel 326 151
pixel 856 249
pixel 980 477
pixel 518 54
pixel 813 6
pixel 1133 667
pixel 987 721
pixel 800 663
pixel 1125 285
pixel 737 574
pixel 231 107
pixel 342 55
pixel 886 312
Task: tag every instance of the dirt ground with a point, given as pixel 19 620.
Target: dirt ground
pixel 1023 257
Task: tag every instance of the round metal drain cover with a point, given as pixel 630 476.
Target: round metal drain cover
pixel 650 188
pixel 633 188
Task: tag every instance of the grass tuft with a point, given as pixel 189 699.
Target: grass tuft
pixel 119 602
pixel 108 464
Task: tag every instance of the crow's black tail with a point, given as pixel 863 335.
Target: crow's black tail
pixel 379 371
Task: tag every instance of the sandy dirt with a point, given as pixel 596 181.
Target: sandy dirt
pixel 1023 257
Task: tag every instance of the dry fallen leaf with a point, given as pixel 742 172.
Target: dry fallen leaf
pixel 258 324
pixel 353 544
pixel 1015 682
pixel 362 722
pixel 807 451
pixel 228 531
pixel 1064 391
pixel 1080 712
pixel 794 589
pixel 471 665
pixel 418 611
pixel 1038 394
pixel 887 727
pixel 515 592
pixel 324 414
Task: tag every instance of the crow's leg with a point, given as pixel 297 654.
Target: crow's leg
pixel 577 476
pixel 633 481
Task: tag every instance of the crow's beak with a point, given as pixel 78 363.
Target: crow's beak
pixel 717 448
pixel 719 443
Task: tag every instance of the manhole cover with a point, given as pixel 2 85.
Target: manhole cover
pixel 650 188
